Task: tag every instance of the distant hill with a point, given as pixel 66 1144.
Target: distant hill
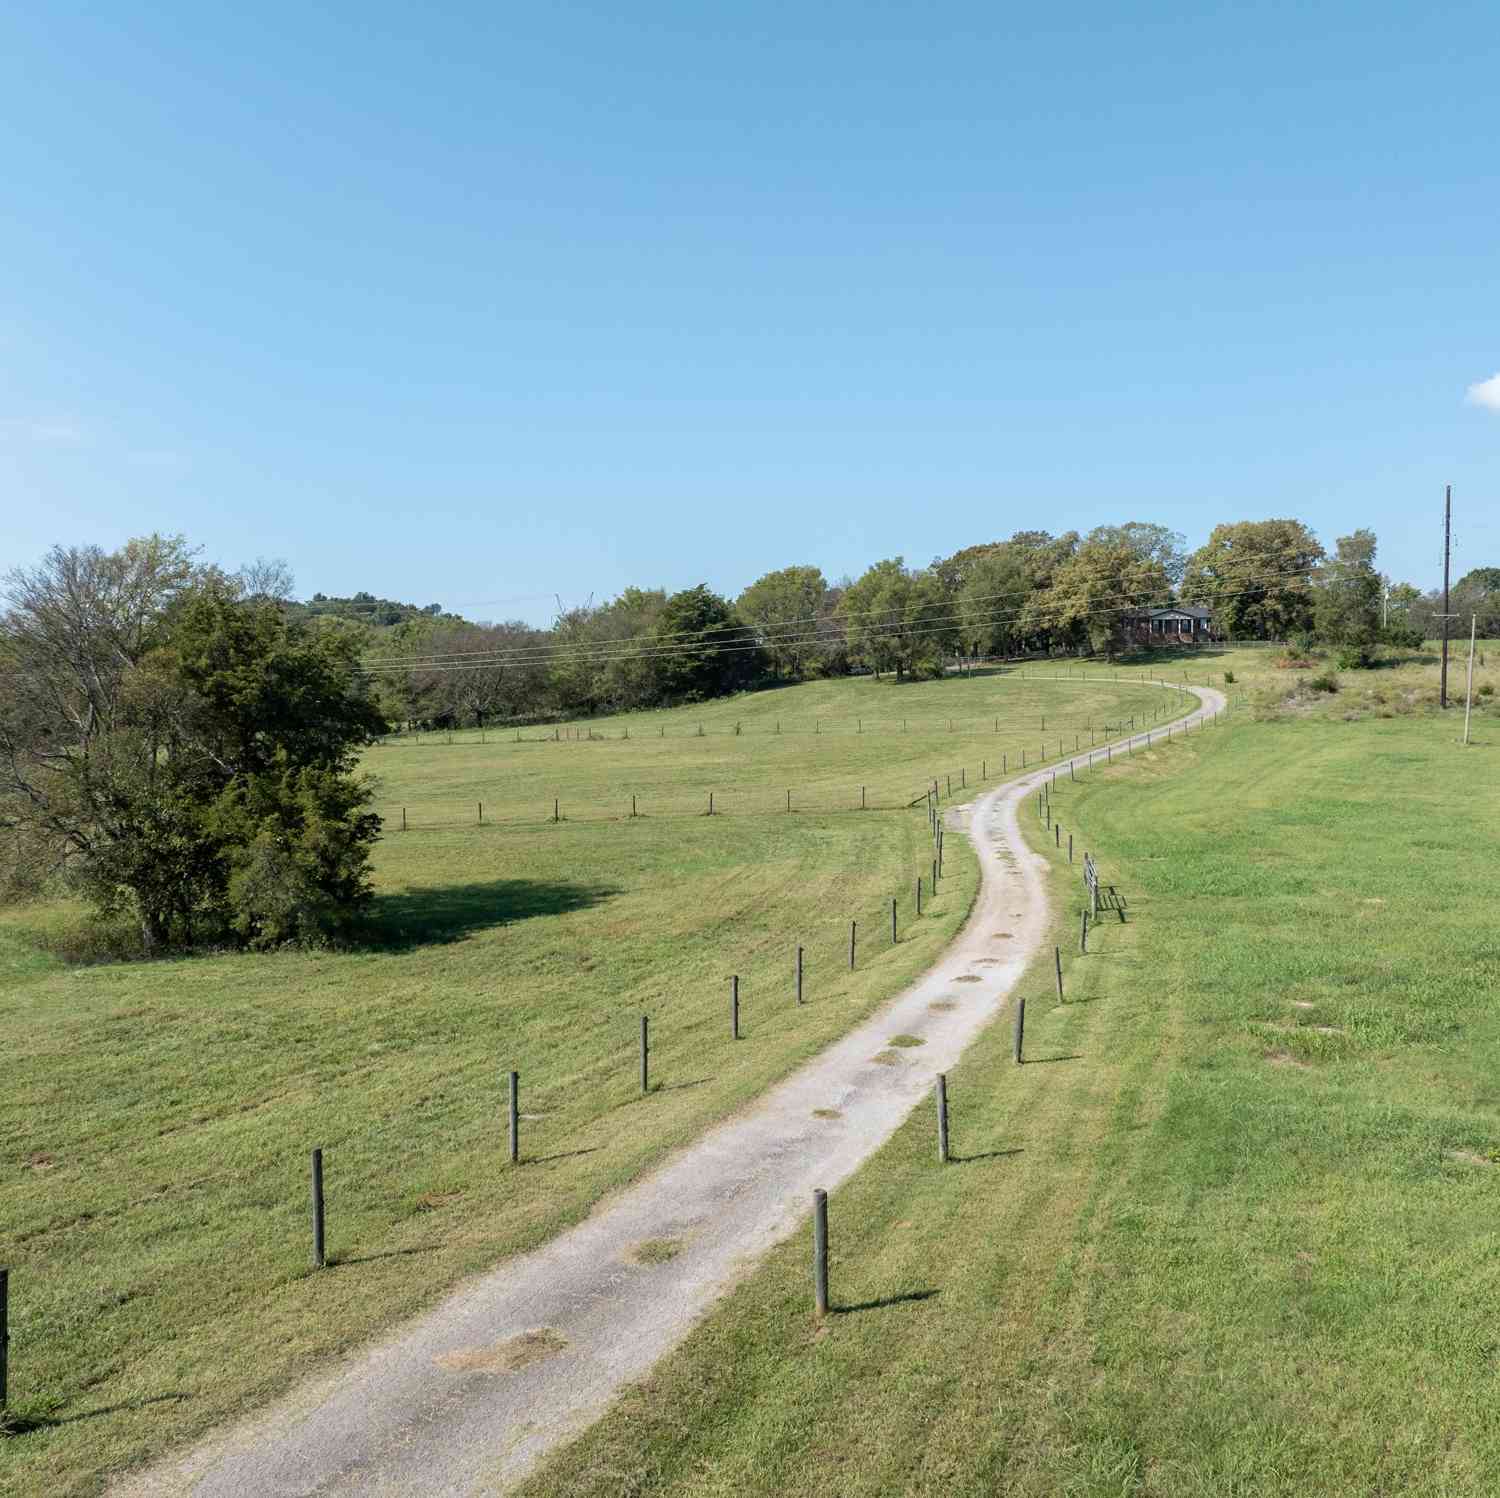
pixel 364 608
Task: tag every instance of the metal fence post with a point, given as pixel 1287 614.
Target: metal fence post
pixel 4 1335
pixel 515 1118
pixel 318 1255
pixel 820 1251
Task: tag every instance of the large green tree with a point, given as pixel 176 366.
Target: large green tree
pixel 1256 576
pixel 1478 593
pixel 1094 593
pixel 184 752
pixel 1152 543
pixel 898 619
pixel 997 585
pixel 1347 598
pixel 785 608
pixel 703 649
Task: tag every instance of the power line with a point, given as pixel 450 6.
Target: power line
pixel 722 637
pixel 939 622
pixel 649 651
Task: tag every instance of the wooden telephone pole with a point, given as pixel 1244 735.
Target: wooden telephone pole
pixel 1447 551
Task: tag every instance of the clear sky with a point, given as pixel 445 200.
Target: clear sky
pixel 482 303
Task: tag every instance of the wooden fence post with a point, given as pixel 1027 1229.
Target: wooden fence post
pixel 942 1113
pixel 820 1252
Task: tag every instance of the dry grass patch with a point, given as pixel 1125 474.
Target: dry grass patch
pixel 656 1250
pixel 509 1356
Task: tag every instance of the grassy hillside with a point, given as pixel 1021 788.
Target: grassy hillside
pixel 822 741
pixel 159 1115
pixel 1237 1235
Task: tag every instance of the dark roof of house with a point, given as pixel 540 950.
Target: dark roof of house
pixel 1192 610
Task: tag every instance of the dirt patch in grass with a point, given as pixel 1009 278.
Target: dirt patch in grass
pixel 1285 1058
pixel 509 1356
pixel 1468 1157
pixel 431 1201
pixel 656 1250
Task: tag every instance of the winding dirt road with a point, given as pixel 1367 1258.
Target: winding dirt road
pixel 466 1398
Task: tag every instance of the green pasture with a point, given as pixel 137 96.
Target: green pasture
pixel 827 744
pixel 158 1116
pixel 1233 1230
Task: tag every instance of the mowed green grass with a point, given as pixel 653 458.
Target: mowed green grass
pixel 1234 1229
pixel 838 741
pixel 157 1117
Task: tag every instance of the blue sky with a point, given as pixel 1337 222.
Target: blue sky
pixel 481 304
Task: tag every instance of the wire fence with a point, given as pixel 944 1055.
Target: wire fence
pixel 713 724
pixel 656 797
pixel 675 800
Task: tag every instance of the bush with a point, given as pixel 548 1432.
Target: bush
pixel 1324 681
pixel 1486 689
pixel 1229 678
pixel 1402 636
pixel 1355 658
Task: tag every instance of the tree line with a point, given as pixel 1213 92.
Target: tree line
pixel 1032 593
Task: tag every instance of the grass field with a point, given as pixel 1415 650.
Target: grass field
pixel 158 1116
pixel 1237 1237
pixel 824 742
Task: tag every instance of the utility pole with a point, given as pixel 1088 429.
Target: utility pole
pixel 1469 694
pixel 1447 550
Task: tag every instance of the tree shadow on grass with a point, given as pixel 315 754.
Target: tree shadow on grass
pixel 21 1422
pixel 451 912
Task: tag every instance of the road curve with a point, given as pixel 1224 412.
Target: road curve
pixel 466 1398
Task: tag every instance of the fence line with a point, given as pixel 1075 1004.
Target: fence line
pixel 711 725
pixel 817 796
